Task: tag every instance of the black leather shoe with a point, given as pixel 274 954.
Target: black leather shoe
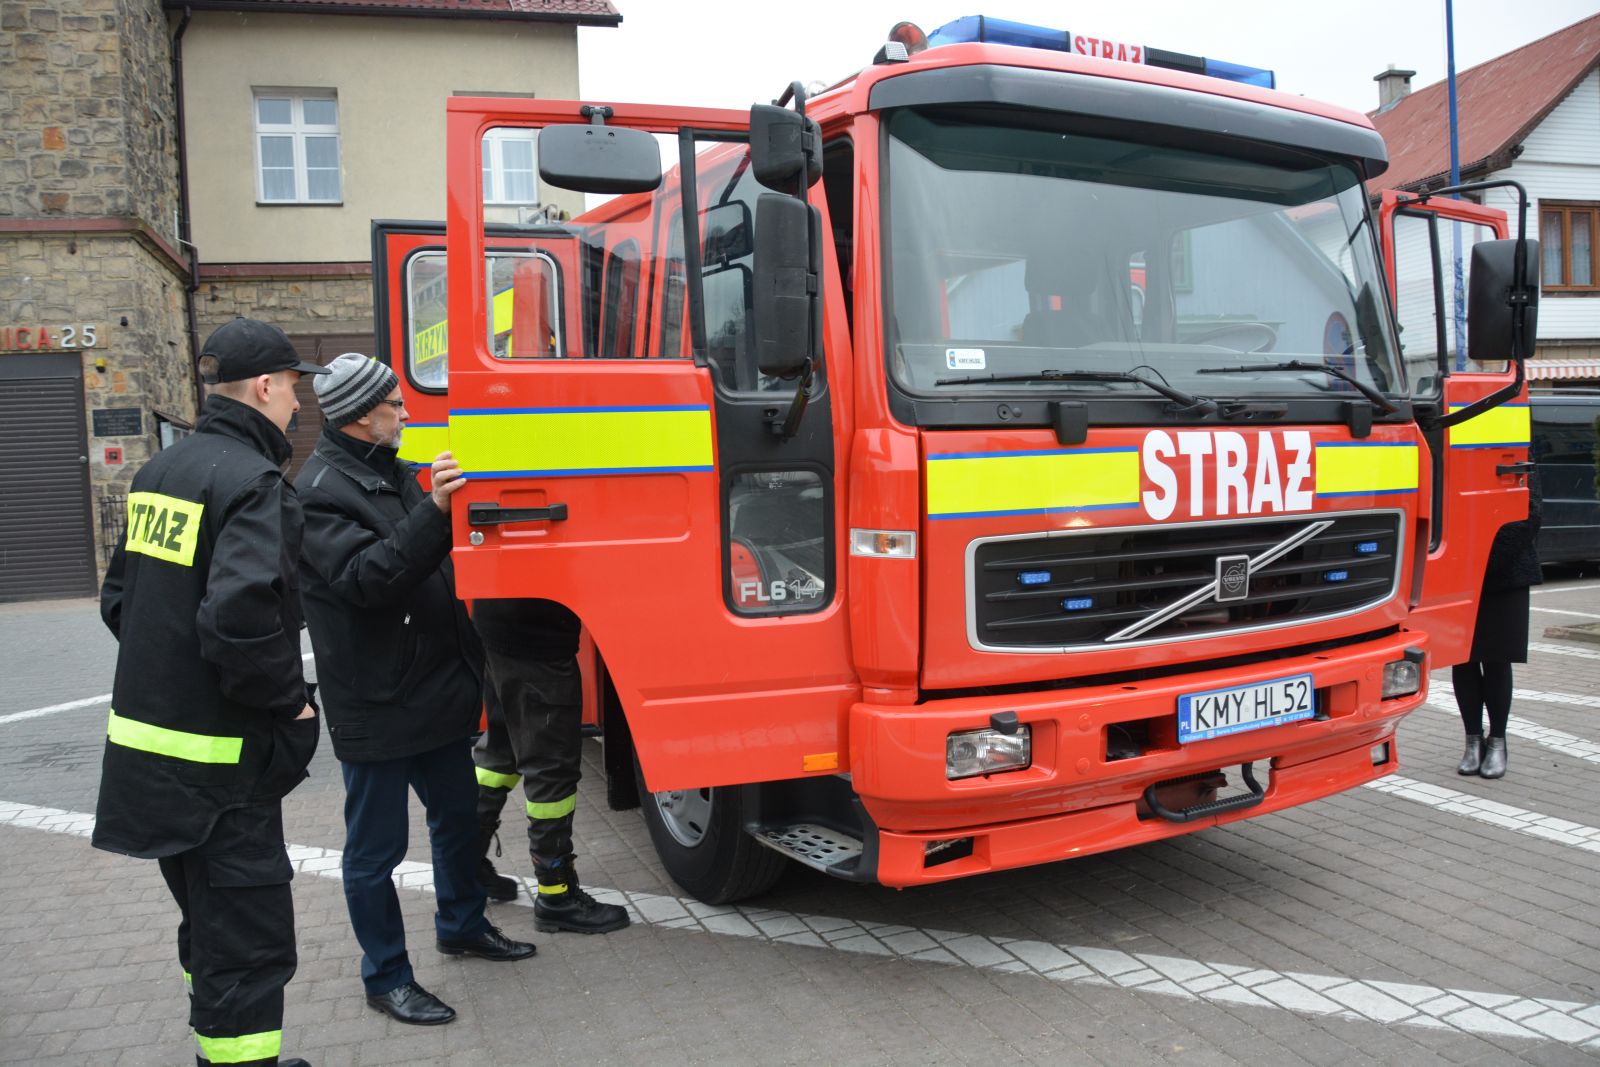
pixel 489 945
pixel 412 1004
pixel 295 1062
pixel 1494 758
pixel 1472 759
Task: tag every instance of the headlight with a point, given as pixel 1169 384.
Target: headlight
pixel 1401 677
pixel 974 752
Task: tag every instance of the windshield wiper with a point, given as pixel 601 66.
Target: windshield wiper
pixel 1382 402
pixel 1190 405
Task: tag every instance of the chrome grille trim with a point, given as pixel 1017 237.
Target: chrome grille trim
pixel 1271 545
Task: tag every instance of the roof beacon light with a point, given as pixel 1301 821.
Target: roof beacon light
pixel 910 35
pixel 980 28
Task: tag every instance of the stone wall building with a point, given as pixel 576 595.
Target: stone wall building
pixel 142 205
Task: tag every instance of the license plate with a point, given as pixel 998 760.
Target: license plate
pixel 1220 712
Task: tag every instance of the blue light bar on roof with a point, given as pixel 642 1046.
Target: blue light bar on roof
pixel 980 28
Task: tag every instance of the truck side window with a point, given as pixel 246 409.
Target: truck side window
pixel 777 552
pixel 622 298
pixel 1415 236
pixel 524 311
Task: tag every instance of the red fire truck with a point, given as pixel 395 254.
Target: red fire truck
pixel 1004 455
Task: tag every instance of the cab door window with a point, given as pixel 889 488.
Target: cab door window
pixel 524 322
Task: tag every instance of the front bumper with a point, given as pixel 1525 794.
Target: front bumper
pixel 1075 799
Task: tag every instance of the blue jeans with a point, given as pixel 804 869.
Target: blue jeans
pixel 376 832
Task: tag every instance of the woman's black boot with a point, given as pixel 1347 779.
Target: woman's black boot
pixel 1472 759
pixel 1494 758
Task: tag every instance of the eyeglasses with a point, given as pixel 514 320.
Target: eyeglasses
pixel 396 404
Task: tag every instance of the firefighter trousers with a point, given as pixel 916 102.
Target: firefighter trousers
pixel 236 936
pixel 535 711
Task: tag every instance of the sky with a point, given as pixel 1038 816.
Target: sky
pixel 732 53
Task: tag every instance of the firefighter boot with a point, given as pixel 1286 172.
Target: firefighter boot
pixel 563 905
pixel 1472 759
pixel 497 885
pixel 1494 758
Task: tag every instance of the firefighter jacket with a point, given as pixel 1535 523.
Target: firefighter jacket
pixel 203 596
pixel 398 661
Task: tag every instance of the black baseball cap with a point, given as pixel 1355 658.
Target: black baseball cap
pixel 245 348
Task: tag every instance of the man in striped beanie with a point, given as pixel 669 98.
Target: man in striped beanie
pixel 401 671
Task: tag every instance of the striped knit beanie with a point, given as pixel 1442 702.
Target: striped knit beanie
pixel 352 387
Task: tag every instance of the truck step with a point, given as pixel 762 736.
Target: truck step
pixel 815 846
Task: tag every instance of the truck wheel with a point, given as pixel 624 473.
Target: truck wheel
pixel 699 835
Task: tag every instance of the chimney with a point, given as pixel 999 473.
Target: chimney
pixel 1392 85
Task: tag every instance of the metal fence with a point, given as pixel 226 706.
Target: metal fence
pixel 113 522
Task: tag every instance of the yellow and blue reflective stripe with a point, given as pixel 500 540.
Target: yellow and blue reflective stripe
pixel 569 441
pixel 420 442
pixel 555 809
pixel 165 527
pixel 242 1049
pixel 1360 468
pixel 496 781
pixel 964 485
pixel 1506 426
pixel 179 744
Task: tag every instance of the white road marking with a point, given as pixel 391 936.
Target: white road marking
pixel 1563 650
pixel 1563 611
pixel 86 702
pixel 1406 1004
pixel 1564 589
pixel 1565 743
pixel 1533 823
pixel 34 713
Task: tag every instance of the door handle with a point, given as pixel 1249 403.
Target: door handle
pixel 1513 468
pixel 491 514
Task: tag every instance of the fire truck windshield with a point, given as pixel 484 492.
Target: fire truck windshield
pixel 1020 242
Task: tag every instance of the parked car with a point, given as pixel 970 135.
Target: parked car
pixel 1566 425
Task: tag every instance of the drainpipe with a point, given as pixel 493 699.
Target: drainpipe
pixel 185 230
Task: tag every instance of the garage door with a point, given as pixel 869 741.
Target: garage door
pixel 46 536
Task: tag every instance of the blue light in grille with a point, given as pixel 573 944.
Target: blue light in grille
pixel 1078 603
pixel 1335 576
pixel 1033 578
pixel 1366 548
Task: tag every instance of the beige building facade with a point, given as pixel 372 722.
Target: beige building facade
pixel 165 166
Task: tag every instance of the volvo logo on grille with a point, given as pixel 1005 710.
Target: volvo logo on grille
pixel 1233 578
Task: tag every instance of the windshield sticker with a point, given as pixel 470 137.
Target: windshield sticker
pixel 965 359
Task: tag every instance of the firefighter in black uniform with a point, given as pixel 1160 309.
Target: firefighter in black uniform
pixel 536 733
pixel 211 721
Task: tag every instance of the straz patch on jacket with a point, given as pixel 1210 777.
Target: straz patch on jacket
pixel 164 527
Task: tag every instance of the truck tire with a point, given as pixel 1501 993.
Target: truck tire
pixel 699 835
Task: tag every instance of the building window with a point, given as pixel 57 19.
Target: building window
pixel 297 147
pixel 1567 240
pixel 508 169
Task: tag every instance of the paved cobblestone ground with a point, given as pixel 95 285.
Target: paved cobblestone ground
pixel 1429 919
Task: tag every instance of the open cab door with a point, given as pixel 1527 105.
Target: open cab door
pixel 645 471
pixel 1478 454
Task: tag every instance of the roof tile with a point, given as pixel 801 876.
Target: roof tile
pixel 1498 104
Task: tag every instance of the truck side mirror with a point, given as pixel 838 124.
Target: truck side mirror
pixel 1494 300
pixel 599 159
pixel 787 287
pixel 784 145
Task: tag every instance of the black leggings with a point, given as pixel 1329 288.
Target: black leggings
pixel 1479 685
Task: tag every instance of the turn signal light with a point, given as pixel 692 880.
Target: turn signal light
pixel 895 544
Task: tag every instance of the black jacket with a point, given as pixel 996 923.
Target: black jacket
pixel 1514 556
pixel 203 596
pixel 399 665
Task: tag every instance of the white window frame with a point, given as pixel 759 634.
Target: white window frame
pixel 494 140
pixel 298 130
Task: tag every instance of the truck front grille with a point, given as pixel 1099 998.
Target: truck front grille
pixel 1093 589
